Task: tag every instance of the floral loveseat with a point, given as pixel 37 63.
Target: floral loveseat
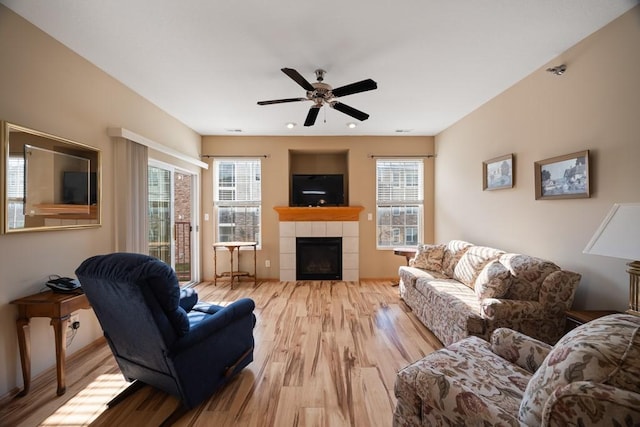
pixel 460 289
pixel 590 377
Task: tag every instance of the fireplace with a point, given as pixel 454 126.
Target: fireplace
pixel 319 258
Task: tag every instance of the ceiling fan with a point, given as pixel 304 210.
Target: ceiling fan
pixel 321 93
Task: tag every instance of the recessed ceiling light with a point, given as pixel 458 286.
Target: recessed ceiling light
pixel 351 125
pixel 291 125
pixel 403 130
pixel 234 130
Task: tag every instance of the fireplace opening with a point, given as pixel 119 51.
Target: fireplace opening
pixel 319 258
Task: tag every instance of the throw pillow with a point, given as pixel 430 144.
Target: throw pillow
pixel 493 281
pixel 605 350
pixel 428 257
pixel 472 262
pixel 452 254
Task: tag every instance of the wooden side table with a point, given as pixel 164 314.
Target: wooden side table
pixel 233 247
pixel 58 307
pixel 576 318
pixel 408 253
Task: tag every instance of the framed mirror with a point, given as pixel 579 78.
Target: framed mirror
pixel 49 183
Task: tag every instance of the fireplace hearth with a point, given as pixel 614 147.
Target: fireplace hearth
pixel 319 258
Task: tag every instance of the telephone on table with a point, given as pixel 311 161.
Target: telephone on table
pixel 63 284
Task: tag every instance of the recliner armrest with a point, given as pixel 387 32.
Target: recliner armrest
pixel 519 349
pixel 216 318
pixel 188 298
pixel 589 403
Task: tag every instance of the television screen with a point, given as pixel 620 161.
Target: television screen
pixel 75 188
pixel 317 190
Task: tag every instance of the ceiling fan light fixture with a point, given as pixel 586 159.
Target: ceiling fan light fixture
pixel 320 94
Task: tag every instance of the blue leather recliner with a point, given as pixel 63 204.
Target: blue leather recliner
pixel 161 335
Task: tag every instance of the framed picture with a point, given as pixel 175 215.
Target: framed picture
pixel 498 173
pixel 563 177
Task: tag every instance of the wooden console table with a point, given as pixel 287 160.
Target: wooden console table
pixel 232 247
pixel 58 307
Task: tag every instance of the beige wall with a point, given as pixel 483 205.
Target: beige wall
pixel 45 86
pixel 595 105
pixel 275 192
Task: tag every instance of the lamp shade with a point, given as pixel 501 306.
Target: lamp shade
pixel 619 234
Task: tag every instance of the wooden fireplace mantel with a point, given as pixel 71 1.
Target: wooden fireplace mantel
pixel 319 213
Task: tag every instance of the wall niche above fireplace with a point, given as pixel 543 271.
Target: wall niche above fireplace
pixel 314 162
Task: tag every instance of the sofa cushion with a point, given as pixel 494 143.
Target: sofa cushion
pixel 428 257
pixel 452 254
pixel 528 274
pixel 472 262
pixel 493 281
pixel 452 309
pixel 606 350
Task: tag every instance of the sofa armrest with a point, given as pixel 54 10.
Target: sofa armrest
pixel 589 403
pixel 494 308
pixel 519 349
pixel 558 290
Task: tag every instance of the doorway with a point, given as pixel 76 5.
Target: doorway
pixel 171 214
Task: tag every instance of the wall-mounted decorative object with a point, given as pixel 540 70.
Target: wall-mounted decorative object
pixel 498 173
pixel 563 177
pixel 48 182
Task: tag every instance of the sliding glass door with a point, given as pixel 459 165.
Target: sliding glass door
pixel 172 218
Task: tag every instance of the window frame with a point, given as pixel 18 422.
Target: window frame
pixel 253 176
pixel 404 198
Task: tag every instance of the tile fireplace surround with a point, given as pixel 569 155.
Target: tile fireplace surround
pixel 314 226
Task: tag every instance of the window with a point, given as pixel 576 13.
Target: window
pixel 15 192
pixel 399 202
pixel 237 199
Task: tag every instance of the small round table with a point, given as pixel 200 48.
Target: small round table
pixel 408 253
pixel 231 247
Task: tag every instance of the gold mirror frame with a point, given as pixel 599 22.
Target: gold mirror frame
pixel 48 182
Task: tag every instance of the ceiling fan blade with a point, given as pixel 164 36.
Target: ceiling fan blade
pixel 297 77
pixel 361 86
pixel 312 115
pixel 280 101
pixel 344 108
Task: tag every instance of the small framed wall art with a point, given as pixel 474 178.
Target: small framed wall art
pixel 497 173
pixel 563 177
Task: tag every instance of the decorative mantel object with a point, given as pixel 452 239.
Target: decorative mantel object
pixel 619 237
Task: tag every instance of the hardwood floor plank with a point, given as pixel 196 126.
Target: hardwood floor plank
pixel 326 354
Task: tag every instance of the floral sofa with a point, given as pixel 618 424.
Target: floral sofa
pixel 590 377
pixel 460 289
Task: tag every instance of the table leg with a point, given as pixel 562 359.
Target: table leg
pixel 215 267
pixel 24 343
pixel 60 325
pixel 255 276
pixel 231 248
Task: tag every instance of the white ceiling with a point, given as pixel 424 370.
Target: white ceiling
pixel 207 62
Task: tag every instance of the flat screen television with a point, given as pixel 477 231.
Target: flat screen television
pixel 317 190
pixel 79 189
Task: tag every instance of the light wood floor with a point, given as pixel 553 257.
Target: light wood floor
pixel 326 354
